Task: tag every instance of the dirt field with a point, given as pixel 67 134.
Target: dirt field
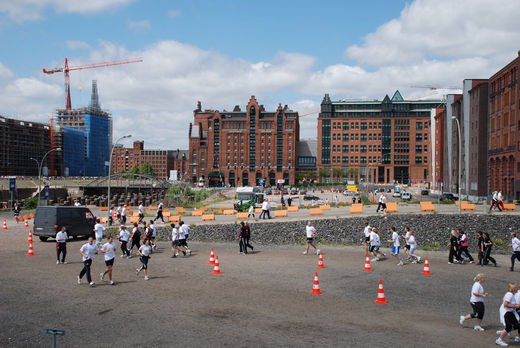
pixel 260 299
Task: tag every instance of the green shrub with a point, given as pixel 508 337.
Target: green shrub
pixel 31 203
pixel 498 241
pixel 426 248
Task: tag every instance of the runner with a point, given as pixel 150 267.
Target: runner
pixel 153 235
pixel 477 302
pixel 109 249
pixel 135 239
pixel 375 244
pixel 396 245
pixel 488 245
pixel 463 242
pixel 124 236
pixel 454 249
pixel 159 213
pixel 366 233
pixel 144 251
pixel 382 203
pixel 242 238
pixel 123 215
pixel 480 245
pixel 515 244
pixel 186 232
pixel 508 315
pixel 251 211
pixel 413 246
pixel 407 245
pixel 141 212
pixel 87 252
pixel 175 241
pixel 311 232
pixel 99 230
pixel 182 239
pixel 118 213
pixel 248 237
pixel 61 244
pixel 16 211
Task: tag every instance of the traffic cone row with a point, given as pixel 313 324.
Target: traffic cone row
pixel 320 262
pixel 5 225
pixel 216 269
pixel 31 251
pixel 26 223
pixel 30 238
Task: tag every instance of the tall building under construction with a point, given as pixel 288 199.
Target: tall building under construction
pixel 85 135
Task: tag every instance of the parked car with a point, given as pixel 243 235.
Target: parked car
pixel 294 191
pixel 425 192
pixel 406 196
pixel 310 198
pixel 348 193
pixel 268 192
pixel 79 221
pixel 448 196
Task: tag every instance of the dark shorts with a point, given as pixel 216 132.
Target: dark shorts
pixel 478 310
pixel 407 246
pixel 310 240
pixel 182 242
pixel 367 239
pixel 373 247
pixel 176 243
pixel 186 235
pixel 109 262
pixel 144 261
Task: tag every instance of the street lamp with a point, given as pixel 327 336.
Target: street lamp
pixel 460 161
pixel 110 171
pixel 40 164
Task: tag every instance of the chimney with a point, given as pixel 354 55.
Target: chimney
pixel 199 106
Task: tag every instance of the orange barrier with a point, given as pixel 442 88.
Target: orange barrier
pixel 208 217
pixel 242 215
pixel 292 209
pixel 203 209
pixel 174 218
pixel 325 207
pixel 391 207
pixel 103 208
pixel 31 215
pixel 280 213
pixel 129 213
pixel 463 202
pixel 315 212
pixel 196 213
pixel 133 219
pixel 152 207
pixel 180 210
pixel 467 206
pixel 509 206
pixel 427 206
pixel 105 220
pixel 258 210
pixel 356 208
pixel 228 212
pixel 166 214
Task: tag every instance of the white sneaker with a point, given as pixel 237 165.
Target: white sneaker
pixel 112 282
pixel 189 252
pixel 64 262
pixel 92 284
pixel 418 259
pixel 318 252
pixel 122 255
pixel 400 263
pixel 374 259
pixel 79 280
pixel 414 261
pixel 146 278
pixel 500 342
pixel 461 321
pixel 479 328
pixel 57 262
pixel 517 339
pixel 101 276
pixel 137 270
pixel 499 332
pixel 304 253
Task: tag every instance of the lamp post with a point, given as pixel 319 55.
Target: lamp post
pixel 460 161
pixel 40 164
pixel 110 171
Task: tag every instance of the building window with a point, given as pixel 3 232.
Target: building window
pixel 363 149
pixel 345 159
pixel 345 125
pixel 418 149
pixel 425 136
pixel 418 137
pixel 345 148
pixel 345 137
pixel 363 137
pixel 418 160
pixel 363 126
pixel 418 126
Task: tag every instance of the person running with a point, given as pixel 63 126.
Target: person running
pixel 61 244
pixel 366 233
pixel 311 232
pixel 454 248
pixel 488 245
pixel 99 230
pixel 109 249
pixel 289 201
pixel 144 251
pixel 508 315
pixel 182 239
pixel 16 212
pixel 477 302
pixel 186 233
pixel 480 245
pixel 413 247
pixel 141 212
pixel 110 217
pixel 382 203
pixel 118 213
pixel 463 245
pixel 159 213
pixel 396 245
pixel 242 238
pixel 375 244
pixel 265 210
pixel 135 239
pixel 251 211
pixel 515 244
pixel 494 201
pixel 407 245
pixel 123 215
pixel 87 252
pixel 248 237
pixel 500 201
pixel 124 236
pixel 153 235
pixel 175 241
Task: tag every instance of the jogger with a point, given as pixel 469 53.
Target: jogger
pixel 87 252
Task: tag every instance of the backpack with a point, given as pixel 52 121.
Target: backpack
pixel 149 232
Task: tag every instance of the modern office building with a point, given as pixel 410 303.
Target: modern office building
pixel 91 158
pixel 20 143
pixel 504 131
pixel 243 147
pixel 381 141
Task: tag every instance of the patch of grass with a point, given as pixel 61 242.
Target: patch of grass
pixel 426 248
pixel 435 246
pixel 498 242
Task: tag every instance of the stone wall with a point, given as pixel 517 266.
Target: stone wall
pixel 429 230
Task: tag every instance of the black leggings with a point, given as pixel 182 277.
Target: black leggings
pixel 478 310
pixel 144 261
pixel 61 248
pixel 136 243
pixel 124 248
pixel 86 269
pixel 453 253
pixel 464 249
pixel 487 257
pixel 511 322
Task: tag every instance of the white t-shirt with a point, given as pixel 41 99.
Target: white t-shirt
pixel 141 209
pixel 265 205
pixel 374 239
pixel 406 237
pixel 175 234
pixel 499 196
pixel 61 235
pixel 516 244
pixel 251 209
pixel 395 237
pixel 310 230
pixel 367 232
pixel 123 212
pixel 124 235
pixel 89 250
pixel 154 230
pixel 77 204
pixel 181 232
pixel 185 229
pixel 99 230
pixel 381 199
pixel 411 241
pixel 110 249
pixel 145 250
pixel 476 288
pixel 511 298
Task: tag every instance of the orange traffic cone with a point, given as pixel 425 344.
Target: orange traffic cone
pixel 316 285
pixel 426 268
pixel 367 264
pixel 381 294
pixel 5 225
pixel 30 239
pixel 31 251
pixel 26 223
pixel 320 262
pixel 216 269
pixel 211 258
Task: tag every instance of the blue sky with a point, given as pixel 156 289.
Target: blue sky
pixel 222 52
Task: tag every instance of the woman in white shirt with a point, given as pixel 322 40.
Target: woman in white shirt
pixel 508 315
pixel 413 246
pixel 144 251
pixel 109 249
pixel 124 236
pixel 396 245
pixel 477 302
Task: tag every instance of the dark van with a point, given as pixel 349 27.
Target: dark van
pixel 79 221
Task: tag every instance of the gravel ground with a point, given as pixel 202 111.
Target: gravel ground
pixel 261 299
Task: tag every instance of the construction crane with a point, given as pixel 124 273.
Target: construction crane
pixel 434 88
pixel 313 112
pixel 66 69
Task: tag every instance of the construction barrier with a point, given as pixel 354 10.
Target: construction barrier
pixel 292 209
pixel 467 206
pixel 105 220
pixel 152 207
pixel 356 208
pixel 166 214
pixel 208 217
pixel 258 210
pixel 103 208
pixel 228 212
pixel 427 206
pixel 180 210
pixel 458 202
pixel 509 206
pixel 315 212
pixel 174 218
pixel 196 213
pixel 391 207
pixel 134 219
pixel 242 215
pixel 325 207
pixel 280 213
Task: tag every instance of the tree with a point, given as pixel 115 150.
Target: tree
pixel 147 168
pixel 134 169
pixel 324 173
pixel 336 173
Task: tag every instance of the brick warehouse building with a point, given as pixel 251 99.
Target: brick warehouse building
pixel 240 148
pixel 374 141
pixel 504 131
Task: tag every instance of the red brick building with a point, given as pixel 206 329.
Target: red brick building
pixel 437 153
pixel 162 161
pixel 504 131
pixel 240 148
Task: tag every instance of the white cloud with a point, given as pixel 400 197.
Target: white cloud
pixel 139 25
pixel 23 10
pixel 174 13
pixel 77 44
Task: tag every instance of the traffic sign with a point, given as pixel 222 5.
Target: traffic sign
pixel 12 184
pixel 46 191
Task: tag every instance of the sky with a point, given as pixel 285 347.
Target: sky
pixel 223 52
